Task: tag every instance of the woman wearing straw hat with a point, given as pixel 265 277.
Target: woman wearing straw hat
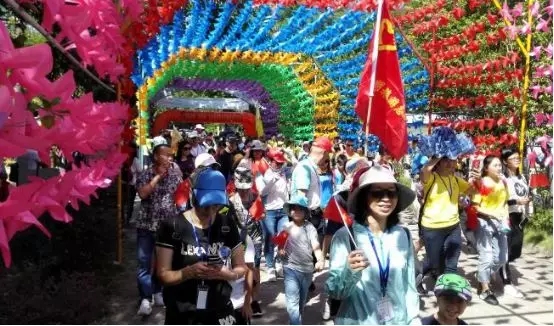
pixel 372 263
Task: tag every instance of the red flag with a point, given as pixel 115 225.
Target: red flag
pixel 182 193
pixel 336 213
pixel 257 209
pixel 387 118
pixel 281 239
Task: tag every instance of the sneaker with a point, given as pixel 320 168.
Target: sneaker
pixel 256 309
pixel 271 276
pixel 326 311
pixel 145 308
pixel 158 299
pixel 279 270
pixel 512 291
pixel 489 297
pixel 419 285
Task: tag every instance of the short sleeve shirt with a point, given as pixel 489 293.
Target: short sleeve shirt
pixel 160 205
pixel 178 234
pixel 304 177
pixel 299 246
pixel 441 206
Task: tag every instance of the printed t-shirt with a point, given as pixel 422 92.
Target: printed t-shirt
pixel 177 234
pixel 441 207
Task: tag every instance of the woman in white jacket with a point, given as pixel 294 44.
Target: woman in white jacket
pixel 273 190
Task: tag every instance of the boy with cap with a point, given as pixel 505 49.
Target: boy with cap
pixel 302 242
pixel 453 293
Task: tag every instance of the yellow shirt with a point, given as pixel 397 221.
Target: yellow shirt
pixel 495 203
pixel 441 207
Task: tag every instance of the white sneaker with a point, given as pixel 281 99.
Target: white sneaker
pixel 512 291
pixel 279 269
pixel 158 299
pixel 326 311
pixel 145 308
pixel 271 277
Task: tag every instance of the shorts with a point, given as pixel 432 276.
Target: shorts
pixel 332 227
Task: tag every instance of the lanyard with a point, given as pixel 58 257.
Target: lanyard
pixel 383 272
pixel 450 190
pixel 203 255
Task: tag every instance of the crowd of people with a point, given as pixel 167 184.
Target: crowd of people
pixel 212 207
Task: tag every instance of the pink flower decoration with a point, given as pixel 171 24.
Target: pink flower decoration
pixel 542 25
pixel 505 12
pixel 536 53
pixel 535 9
pixel 518 10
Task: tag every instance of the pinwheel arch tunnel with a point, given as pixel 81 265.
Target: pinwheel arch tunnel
pixel 298 65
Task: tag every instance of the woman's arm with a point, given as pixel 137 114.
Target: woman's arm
pixel 412 298
pixel 163 268
pixel 342 280
pixel 427 169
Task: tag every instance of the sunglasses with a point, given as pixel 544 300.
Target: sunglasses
pixel 349 145
pixel 382 193
pixel 187 148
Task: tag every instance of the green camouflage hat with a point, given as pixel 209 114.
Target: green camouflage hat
pixel 453 284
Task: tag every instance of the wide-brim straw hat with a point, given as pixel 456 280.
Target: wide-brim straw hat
pixel 378 174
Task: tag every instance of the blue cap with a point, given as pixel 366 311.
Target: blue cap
pixel 297 200
pixel 209 188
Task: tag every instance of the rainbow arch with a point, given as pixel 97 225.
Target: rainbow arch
pixel 308 60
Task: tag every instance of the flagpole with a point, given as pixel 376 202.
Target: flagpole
pixel 374 55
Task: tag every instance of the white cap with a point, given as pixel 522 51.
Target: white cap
pixel 204 160
pixel 199 126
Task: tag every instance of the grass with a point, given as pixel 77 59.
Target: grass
pixel 540 239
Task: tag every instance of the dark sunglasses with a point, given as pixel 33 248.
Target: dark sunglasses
pixel 187 148
pixel 382 193
pixel 349 145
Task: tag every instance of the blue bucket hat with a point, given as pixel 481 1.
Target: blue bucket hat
pixel 209 188
pixel 298 201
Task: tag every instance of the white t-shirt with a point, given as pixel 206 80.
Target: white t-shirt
pixel 238 292
pixel 273 186
pixel 304 177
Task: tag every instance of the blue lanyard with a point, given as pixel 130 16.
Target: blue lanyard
pixel 203 255
pixel 383 272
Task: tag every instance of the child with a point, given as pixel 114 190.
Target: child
pixel 298 265
pixel 453 293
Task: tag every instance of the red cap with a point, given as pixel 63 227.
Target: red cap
pixel 276 155
pixel 323 143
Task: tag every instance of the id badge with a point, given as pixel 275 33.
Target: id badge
pixel 384 310
pixel 202 297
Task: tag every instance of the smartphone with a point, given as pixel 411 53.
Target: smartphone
pixel 476 164
pixel 215 261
